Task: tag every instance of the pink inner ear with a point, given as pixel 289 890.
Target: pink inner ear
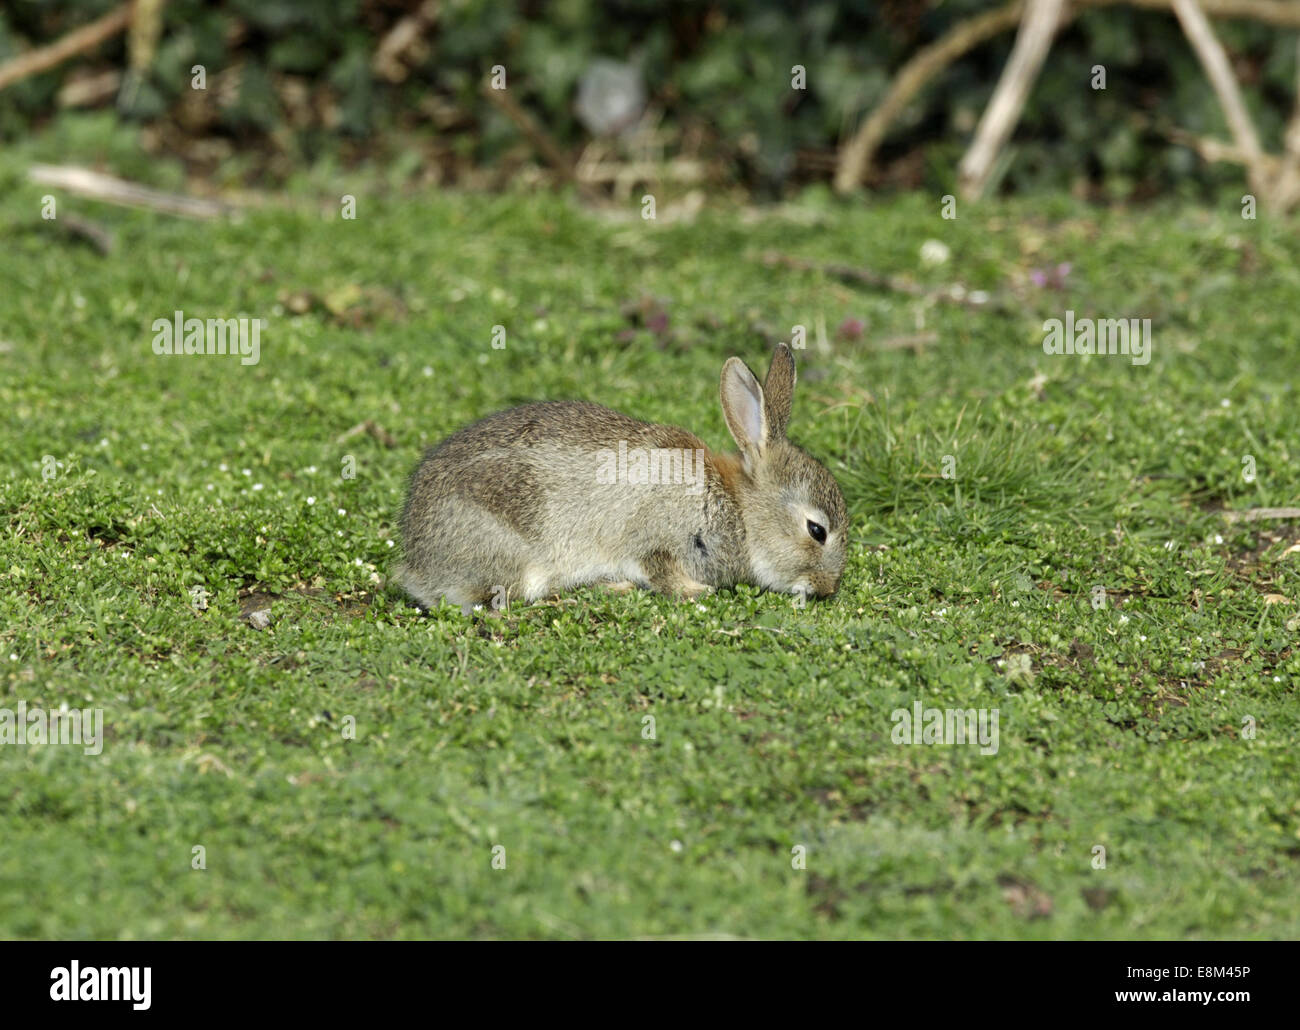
pixel 749 400
pixel 743 399
pixel 754 417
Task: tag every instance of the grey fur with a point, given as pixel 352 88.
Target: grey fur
pixel 513 507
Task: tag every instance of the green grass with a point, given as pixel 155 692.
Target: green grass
pixel 1120 727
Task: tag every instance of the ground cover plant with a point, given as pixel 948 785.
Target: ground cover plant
pixel 200 548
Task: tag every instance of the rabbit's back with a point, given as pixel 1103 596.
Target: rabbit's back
pixel 526 461
pixel 532 500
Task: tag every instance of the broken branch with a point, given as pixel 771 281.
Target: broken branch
pixel 1018 76
pixel 97 186
pixel 33 62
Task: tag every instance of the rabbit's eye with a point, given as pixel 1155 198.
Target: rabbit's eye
pixel 817 531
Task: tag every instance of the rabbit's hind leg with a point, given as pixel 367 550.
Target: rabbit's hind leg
pixel 485 568
pixel 666 575
pixel 430 590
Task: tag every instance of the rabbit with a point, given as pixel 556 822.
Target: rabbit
pixel 542 498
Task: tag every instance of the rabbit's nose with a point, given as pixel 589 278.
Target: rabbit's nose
pixel 824 585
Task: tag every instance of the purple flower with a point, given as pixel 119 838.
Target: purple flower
pixel 850 329
pixel 1050 278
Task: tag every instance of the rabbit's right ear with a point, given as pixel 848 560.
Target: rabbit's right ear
pixel 778 390
pixel 743 408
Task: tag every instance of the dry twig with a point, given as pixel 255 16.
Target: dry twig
pixel 544 145
pixel 371 427
pixel 97 186
pixel 954 294
pixel 401 39
pixel 1217 69
pixel 857 154
pixel 1260 514
pixel 92 232
pixel 1018 76
pixel 33 62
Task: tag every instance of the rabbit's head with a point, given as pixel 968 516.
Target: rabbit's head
pixel 794 515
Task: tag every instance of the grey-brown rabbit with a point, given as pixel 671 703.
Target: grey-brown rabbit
pixel 545 497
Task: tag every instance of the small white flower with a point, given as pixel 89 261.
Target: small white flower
pixel 342 511
pixel 1123 619
pixel 388 543
pixel 1225 403
pixel 311 469
pixel 1218 539
pixel 676 845
pixel 935 252
pixel 257 486
pixel 311 500
pixel 224 467
pixel 247 472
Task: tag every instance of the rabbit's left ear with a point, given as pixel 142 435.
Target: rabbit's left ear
pixel 743 408
pixel 778 391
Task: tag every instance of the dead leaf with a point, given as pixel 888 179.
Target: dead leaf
pixel 1025 899
pixel 1098 898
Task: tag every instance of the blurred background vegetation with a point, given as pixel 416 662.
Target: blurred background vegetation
pixel 294 82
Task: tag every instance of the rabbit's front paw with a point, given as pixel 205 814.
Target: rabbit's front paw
pixel 694 591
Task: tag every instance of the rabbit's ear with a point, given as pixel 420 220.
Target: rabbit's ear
pixel 743 408
pixel 778 391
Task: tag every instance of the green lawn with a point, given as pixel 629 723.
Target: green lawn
pixel 1122 726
